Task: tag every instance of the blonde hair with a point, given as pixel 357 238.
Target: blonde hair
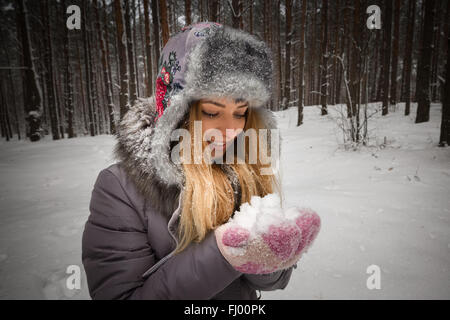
pixel 208 198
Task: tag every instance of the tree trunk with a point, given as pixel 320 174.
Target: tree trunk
pixel 269 24
pixel 58 77
pixel 381 51
pixel 10 87
pixel 355 63
pixel 265 23
pixel 445 45
pixel 170 9
pixel 59 107
pixel 324 69
pixel 213 13
pixel 4 114
pixel 333 93
pixel 279 58
pixel 312 57
pixel 424 67
pixel 235 14
pixel 105 69
pixel 92 64
pixel 148 50
pixel 444 139
pixel 83 99
pixel 287 65
pixel 143 52
pixel 374 74
pixel 408 56
pixel 250 22
pixel 163 21
pixel 346 67
pixel 87 71
pixel 343 45
pixel 187 11
pixel 108 63
pixel 68 85
pixel 135 46
pixel 129 40
pixel 31 88
pixel 121 44
pixel 440 11
pixel 49 66
pixel 155 19
pixel 393 96
pixel 301 61
pixel 200 4
pixel 387 57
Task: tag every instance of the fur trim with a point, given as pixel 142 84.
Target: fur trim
pixel 133 151
pixel 230 63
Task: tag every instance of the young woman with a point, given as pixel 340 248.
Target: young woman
pixel 153 228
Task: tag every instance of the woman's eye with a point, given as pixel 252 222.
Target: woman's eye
pixel 211 115
pixel 240 116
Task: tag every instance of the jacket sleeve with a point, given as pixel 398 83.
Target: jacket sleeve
pixel 116 252
pixel 269 282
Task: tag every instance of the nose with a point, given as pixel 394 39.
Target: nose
pixel 227 135
pixel 229 130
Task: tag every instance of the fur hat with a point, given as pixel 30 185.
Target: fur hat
pixel 202 60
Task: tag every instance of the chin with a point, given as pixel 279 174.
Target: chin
pixel 218 153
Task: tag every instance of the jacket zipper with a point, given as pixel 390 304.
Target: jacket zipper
pixel 165 258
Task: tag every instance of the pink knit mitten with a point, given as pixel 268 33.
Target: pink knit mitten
pixel 309 224
pixel 273 241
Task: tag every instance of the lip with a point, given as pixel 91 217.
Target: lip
pixel 219 145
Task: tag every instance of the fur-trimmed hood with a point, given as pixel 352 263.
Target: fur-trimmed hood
pixel 202 60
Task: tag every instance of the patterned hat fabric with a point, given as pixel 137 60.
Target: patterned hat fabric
pixel 171 65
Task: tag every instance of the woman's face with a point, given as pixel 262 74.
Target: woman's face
pixel 222 113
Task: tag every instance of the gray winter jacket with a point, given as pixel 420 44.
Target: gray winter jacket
pixel 124 238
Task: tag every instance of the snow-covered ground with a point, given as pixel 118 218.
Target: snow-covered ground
pixel 388 207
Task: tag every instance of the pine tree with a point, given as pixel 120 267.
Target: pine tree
pixel 424 67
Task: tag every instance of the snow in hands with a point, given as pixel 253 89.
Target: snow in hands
pixel 262 237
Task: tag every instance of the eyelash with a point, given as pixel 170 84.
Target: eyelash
pixel 212 115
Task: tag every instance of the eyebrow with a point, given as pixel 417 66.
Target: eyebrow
pixel 223 106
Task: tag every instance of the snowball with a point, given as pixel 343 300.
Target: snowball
pixel 258 214
pixel 291 213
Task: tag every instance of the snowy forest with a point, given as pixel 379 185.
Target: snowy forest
pixel 361 97
pixel 68 82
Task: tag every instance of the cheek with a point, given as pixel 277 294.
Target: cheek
pixel 240 124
